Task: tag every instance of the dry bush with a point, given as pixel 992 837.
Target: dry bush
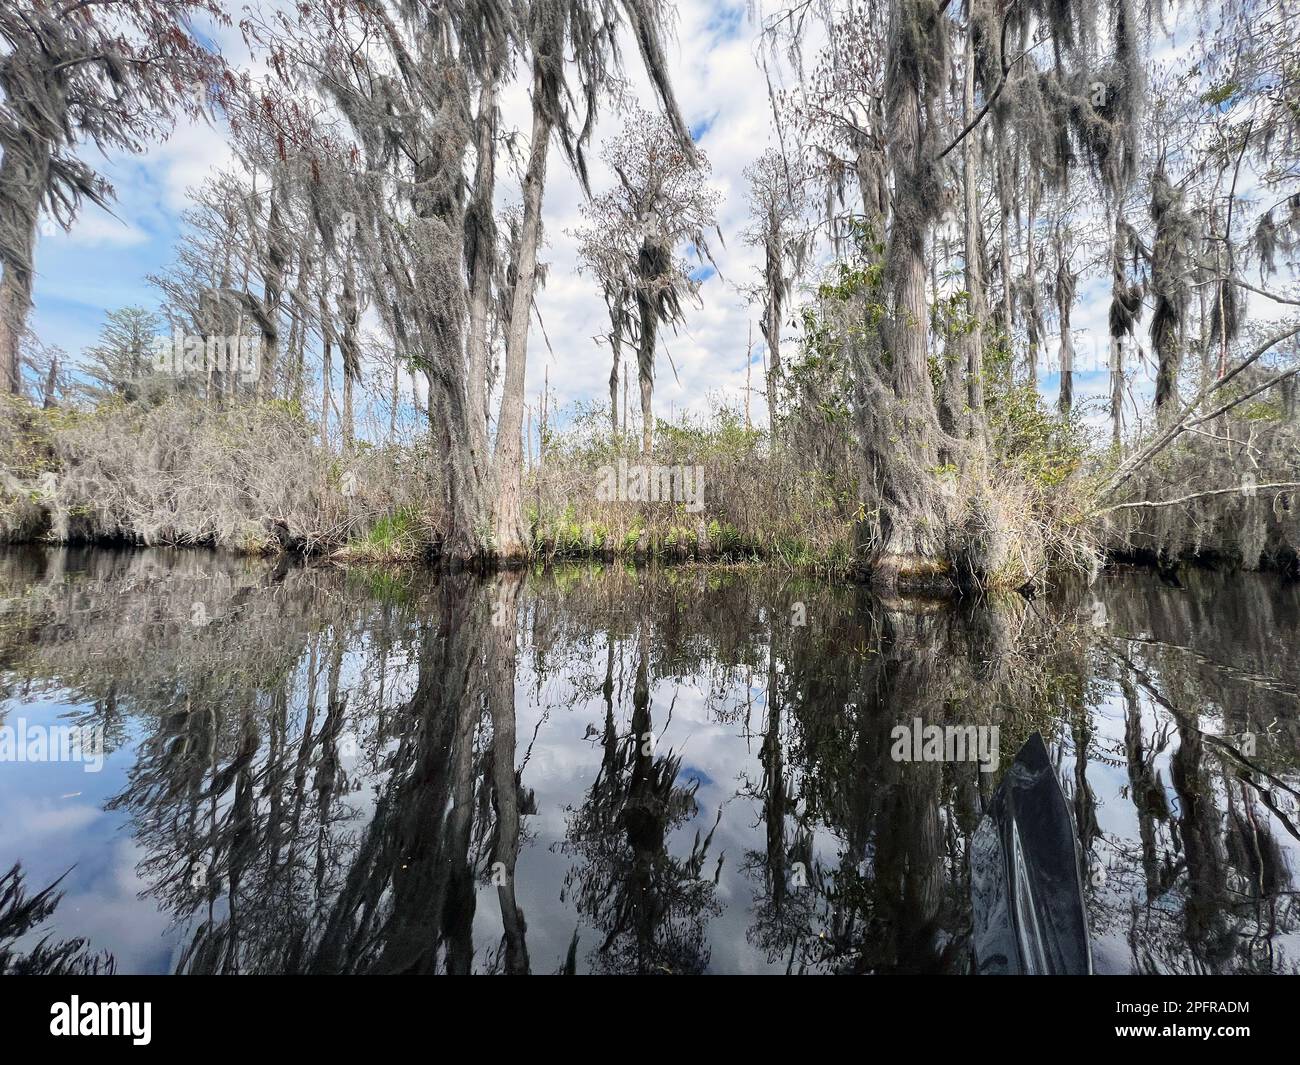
pixel 25 456
pixel 246 478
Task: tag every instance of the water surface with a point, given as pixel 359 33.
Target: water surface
pixel 614 770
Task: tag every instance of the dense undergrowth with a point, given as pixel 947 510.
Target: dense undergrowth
pixel 254 479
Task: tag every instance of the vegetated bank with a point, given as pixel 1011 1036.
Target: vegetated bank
pixel 253 478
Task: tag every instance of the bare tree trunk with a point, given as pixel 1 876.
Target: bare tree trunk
pixel 299 328
pixel 326 338
pixel 349 438
pixel 771 321
pixel 1117 392
pixel 617 344
pixel 277 257
pixel 772 334
pixel 543 423
pixel 51 382
pixel 1064 303
pixel 392 411
pixel 24 173
pixel 511 538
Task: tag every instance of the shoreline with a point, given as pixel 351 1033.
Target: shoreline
pixel 427 558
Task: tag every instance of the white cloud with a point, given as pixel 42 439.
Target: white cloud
pixel 95 228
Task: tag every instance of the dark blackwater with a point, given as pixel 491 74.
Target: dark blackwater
pixel 670 771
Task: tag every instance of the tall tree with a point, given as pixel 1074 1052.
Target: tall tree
pixel 574 44
pixel 391 169
pixel 122 359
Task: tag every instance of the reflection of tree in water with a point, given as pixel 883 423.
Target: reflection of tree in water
pixel 330 801
pixel 326 779
pixel 1214 891
pixel 1206 885
pixel 398 895
pixel 896 896
pixel 22 915
pixel 651 906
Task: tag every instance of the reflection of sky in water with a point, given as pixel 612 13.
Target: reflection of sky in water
pixel 55 821
pixel 56 816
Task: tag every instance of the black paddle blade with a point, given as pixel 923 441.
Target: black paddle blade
pixel 1026 891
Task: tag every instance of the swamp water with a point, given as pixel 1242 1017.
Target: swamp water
pixel 612 770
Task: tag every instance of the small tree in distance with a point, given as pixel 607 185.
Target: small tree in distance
pixel 634 235
pixel 778 202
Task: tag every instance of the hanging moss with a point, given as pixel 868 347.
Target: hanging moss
pixel 1175 236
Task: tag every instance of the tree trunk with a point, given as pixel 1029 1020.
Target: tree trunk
pixel 910 549
pixel 1004 209
pixel 24 173
pixel 1034 322
pixel 511 538
pixel 973 253
pixel 51 382
pixel 463 541
pixel 771 323
pixel 325 401
pixel 645 365
pixel 349 348
pixel 277 258
pixel 1064 302
pixel 480 246
pixel 616 343
pixel 349 437
pixel 298 330
pixel 1169 364
pixel 392 411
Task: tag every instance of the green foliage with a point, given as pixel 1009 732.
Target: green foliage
pixel 1031 440
pixel 1220 94
pixel 398 529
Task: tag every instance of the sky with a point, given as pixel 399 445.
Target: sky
pixel 104 262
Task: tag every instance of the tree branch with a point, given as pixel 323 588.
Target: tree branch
pixel 1149 503
pixel 1006 71
pixel 1184 418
